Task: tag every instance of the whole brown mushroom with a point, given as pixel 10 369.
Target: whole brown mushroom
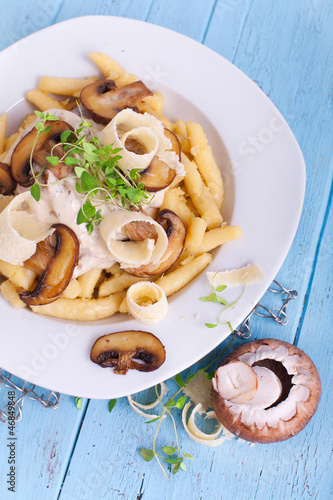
pixel 266 391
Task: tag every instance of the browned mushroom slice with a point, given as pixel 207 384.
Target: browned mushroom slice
pixel 59 272
pixel 128 350
pixel 42 258
pixel 176 233
pixel 20 163
pixel 7 182
pixel 158 175
pixel 103 99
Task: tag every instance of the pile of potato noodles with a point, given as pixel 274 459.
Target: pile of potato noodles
pixel 196 198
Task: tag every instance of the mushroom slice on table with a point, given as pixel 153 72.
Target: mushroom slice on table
pixel 176 233
pixel 42 147
pixel 103 99
pixel 131 349
pixel 286 397
pixel 59 270
pixel 7 181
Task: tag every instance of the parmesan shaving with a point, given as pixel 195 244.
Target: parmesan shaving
pixel 246 275
pixel 132 253
pixel 153 306
pixel 196 434
pixel 138 407
pixel 20 231
pixel 199 390
pixel 149 132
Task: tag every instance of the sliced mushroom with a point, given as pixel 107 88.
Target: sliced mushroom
pixel 59 271
pixel 103 99
pixel 121 349
pixel 158 175
pixel 42 258
pixel 20 162
pixel 7 182
pixel 176 233
pixel 286 398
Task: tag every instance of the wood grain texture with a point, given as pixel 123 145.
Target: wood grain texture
pixel 286 48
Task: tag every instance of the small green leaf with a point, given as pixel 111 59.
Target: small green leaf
pixel 54 160
pixel 90 227
pixel 189 456
pixel 175 468
pixel 211 325
pixel 88 209
pixel 78 187
pixel 47 129
pixel 78 403
pixel 209 376
pixel 35 191
pixel 79 171
pixel 172 461
pixel 152 420
pixel 171 403
pixel 147 455
pixel 40 127
pixel 220 288
pixel 39 114
pixel 168 450
pixel 70 161
pixel 112 404
pixel 51 118
pixel 209 298
pixel 179 380
pixel 64 135
pixel 230 326
pixel 181 402
pixel 88 183
pixel 223 301
pixel 81 218
pixel 183 466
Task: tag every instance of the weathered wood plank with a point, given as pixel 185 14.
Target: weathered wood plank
pixel 137 9
pixel 44 441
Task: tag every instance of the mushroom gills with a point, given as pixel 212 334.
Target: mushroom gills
pixel 59 271
pixel 103 99
pixel 135 350
pixel 7 181
pixel 282 375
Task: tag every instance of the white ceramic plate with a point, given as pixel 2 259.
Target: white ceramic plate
pixel 264 176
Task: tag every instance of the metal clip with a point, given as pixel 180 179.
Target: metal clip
pixel 279 315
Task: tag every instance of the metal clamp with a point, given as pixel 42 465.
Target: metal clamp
pixel 279 315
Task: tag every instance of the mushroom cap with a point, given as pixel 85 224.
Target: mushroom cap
pixel 296 371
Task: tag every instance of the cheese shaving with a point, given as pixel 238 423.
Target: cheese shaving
pixel 246 275
pixel 138 407
pixel 132 253
pixel 149 132
pixel 20 231
pixel 147 302
pixel 196 434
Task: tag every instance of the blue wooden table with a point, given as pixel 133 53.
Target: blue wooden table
pixel 286 47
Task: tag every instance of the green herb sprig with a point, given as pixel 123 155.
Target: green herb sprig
pixel 100 179
pixel 213 297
